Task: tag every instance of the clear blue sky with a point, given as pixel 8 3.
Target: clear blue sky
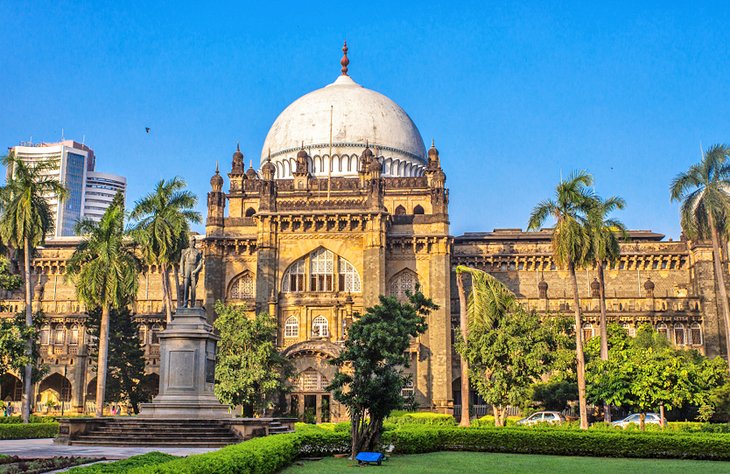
pixel 513 94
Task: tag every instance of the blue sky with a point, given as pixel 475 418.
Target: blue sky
pixel 514 93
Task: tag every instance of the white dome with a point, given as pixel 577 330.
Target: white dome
pixel 359 116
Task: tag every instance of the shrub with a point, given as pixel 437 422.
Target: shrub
pixel 561 442
pixel 421 418
pixel 487 421
pixel 146 460
pixel 33 419
pixel 30 430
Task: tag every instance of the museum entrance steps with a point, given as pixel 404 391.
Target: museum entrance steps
pixel 158 432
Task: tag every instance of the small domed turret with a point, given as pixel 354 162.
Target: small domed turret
pixel 216 181
pixel 268 170
pixel 251 173
pixel 237 164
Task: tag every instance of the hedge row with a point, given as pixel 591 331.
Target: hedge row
pixel 561 442
pixel 33 419
pixel 421 418
pixel 28 431
pixel 257 456
pixel 125 465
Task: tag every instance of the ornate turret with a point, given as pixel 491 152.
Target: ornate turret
pixel 268 170
pixel 216 181
pixel 216 204
pixel 237 163
pixel 436 181
pixel 251 173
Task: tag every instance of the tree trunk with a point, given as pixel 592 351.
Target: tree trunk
pixel 720 275
pixel 28 376
pixel 579 358
pixel 603 327
pixel 464 364
pixel 166 293
pixel 642 421
pixel 101 368
pixel 662 421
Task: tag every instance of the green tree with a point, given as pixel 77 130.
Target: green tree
pixel 126 364
pixel 702 189
pixel 571 249
pixel 8 281
pixel 163 223
pixel 508 355
pixel 370 374
pixel 26 219
pixel 250 371
pixel 104 270
pixel 645 373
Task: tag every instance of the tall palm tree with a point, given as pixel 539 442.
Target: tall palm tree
pixel 571 249
pixel 704 190
pixel 605 233
pixel 104 270
pixel 26 219
pixel 163 222
pixel 487 299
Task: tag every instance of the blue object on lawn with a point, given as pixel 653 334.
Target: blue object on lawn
pixel 366 457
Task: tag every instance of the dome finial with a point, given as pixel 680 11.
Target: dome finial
pixel 216 167
pixel 344 61
pixel 238 146
pixel 433 143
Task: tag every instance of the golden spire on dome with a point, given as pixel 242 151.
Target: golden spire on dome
pixel 344 61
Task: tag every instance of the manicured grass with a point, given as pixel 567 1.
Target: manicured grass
pixel 488 462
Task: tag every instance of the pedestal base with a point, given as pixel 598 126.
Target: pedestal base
pixel 213 410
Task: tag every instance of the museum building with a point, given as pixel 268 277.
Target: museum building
pixel 348 204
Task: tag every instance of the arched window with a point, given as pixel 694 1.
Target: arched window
pixel 320 327
pixel 250 212
pixel 349 278
pixel 322 267
pixel 46 335
pixel 400 211
pixel 243 287
pixel 311 381
pixel 680 338
pixel 73 338
pixel 156 328
pixel 59 335
pixel 291 327
pixel 418 209
pixel 662 329
pixel 630 330
pixel 695 334
pixel 294 277
pixel 403 282
pixel 588 332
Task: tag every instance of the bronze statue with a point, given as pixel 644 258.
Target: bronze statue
pixel 191 262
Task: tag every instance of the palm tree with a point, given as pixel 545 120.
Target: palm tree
pixel 704 191
pixel 163 222
pixel 605 233
pixel 26 219
pixel 487 300
pixel 104 270
pixel 571 249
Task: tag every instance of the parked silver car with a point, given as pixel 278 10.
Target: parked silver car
pixel 552 417
pixel 651 418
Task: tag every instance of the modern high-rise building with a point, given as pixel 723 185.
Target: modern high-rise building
pixel 88 191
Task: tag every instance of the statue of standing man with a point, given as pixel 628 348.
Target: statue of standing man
pixel 191 262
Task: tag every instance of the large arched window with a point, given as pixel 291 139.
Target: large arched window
pixel 588 332
pixel 662 329
pixel 311 381
pixel 291 327
pixel 294 277
pixel 73 338
pixel 320 327
pixel 403 282
pixel 242 287
pixel 349 278
pixel 322 274
pixel 695 334
pixel 322 267
pixel 680 337
pixel 46 335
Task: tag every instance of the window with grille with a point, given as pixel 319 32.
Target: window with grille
pixel 322 267
pixel 679 336
pixel 74 335
pixel 59 335
pixel 403 282
pixel 294 277
pixel 291 327
pixel 588 332
pixel 695 334
pixel 320 327
pixel 46 335
pixel 349 278
pixel 243 287
pixel 312 381
pixel 662 330
pixel 630 330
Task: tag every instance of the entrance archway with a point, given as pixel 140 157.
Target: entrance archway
pixel 11 388
pixel 53 391
pixel 309 399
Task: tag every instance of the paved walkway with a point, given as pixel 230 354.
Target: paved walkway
pixel 45 448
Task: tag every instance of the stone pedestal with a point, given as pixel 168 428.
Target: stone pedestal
pixel 187 370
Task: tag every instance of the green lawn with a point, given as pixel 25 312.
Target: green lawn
pixel 488 462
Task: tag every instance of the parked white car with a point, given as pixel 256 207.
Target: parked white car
pixel 552 417
pixel 651 418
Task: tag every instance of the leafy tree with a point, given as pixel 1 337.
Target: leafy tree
pixel 26 219
pixel 703 191
pixel 104 271
pixel 8 281
pixel 163 222
pixel 370 374
pixel 645 373
pixel 126 364
pixel 571 249
pixel 250 371
pixel 508 348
